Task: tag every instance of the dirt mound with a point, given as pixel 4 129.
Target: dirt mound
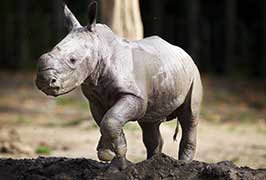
pixel 159 167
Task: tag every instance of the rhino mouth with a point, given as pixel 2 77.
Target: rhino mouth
pixel 57 91
pixel 51 91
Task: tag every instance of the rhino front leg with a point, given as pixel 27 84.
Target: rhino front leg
pixel 152 138
pixel 126 109
pixel 104 149
pixel 104 146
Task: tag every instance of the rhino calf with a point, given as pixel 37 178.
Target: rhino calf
pixel 146 81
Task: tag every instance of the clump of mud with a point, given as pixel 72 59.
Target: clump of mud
pixel 160 167
pixel 10 143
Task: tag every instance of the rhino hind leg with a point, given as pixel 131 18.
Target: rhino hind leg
pixel 187 115
pixel 152 138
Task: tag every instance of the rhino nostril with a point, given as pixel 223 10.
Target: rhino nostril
pixel 53 83
pixel 53 80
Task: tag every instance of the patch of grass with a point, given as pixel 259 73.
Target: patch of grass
pixel 23 120
pixel 72 101
pixel 74 122
pixel 220 95
pixel 65 101
pixel 235 159
pixel 50 124
pixel 84 105
pixel 236 112
pixel 231 100
pixel 43 150
pixel 231 128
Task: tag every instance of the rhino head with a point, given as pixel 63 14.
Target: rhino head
pixel 70 62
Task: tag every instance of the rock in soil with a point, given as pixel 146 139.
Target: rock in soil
pixel 160 167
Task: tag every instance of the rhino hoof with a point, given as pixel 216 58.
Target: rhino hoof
pixel 105 155
pixel 118 164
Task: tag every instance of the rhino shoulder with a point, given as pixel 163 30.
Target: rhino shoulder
pixel 146 45
pixel 153 41
pixel 153 38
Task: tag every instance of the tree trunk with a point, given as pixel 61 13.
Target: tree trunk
pixel 123 17
pixel 21 41
pixel 230 44
pixel 193 28
pixel 263 64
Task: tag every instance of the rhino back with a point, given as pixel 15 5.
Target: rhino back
pixel 164 73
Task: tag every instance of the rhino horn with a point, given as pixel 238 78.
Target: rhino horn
pixel 92 16
pixel 70 20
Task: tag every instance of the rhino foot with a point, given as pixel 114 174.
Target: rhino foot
pixel 105 155
pixel 118 164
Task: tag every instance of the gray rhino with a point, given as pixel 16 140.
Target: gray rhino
pixel 148 81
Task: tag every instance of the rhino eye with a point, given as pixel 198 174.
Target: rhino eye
pixel 73 61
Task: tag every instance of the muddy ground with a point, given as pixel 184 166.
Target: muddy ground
pixel 159 167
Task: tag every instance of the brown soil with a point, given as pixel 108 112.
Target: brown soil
pixel 159 167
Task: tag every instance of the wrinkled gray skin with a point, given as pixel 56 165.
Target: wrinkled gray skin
pixel 148 81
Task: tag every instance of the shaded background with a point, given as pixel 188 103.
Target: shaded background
pixel 226 38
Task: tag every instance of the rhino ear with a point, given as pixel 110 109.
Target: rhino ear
pixel 70 20
pixel 92 16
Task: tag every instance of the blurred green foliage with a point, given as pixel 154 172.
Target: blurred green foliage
pixel 72 102
pixel 43 150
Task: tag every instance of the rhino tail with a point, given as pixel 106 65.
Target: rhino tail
pixel 176 131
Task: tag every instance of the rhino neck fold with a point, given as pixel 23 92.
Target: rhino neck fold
pixel 103 54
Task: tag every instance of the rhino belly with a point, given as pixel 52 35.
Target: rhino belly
pixel 165 96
